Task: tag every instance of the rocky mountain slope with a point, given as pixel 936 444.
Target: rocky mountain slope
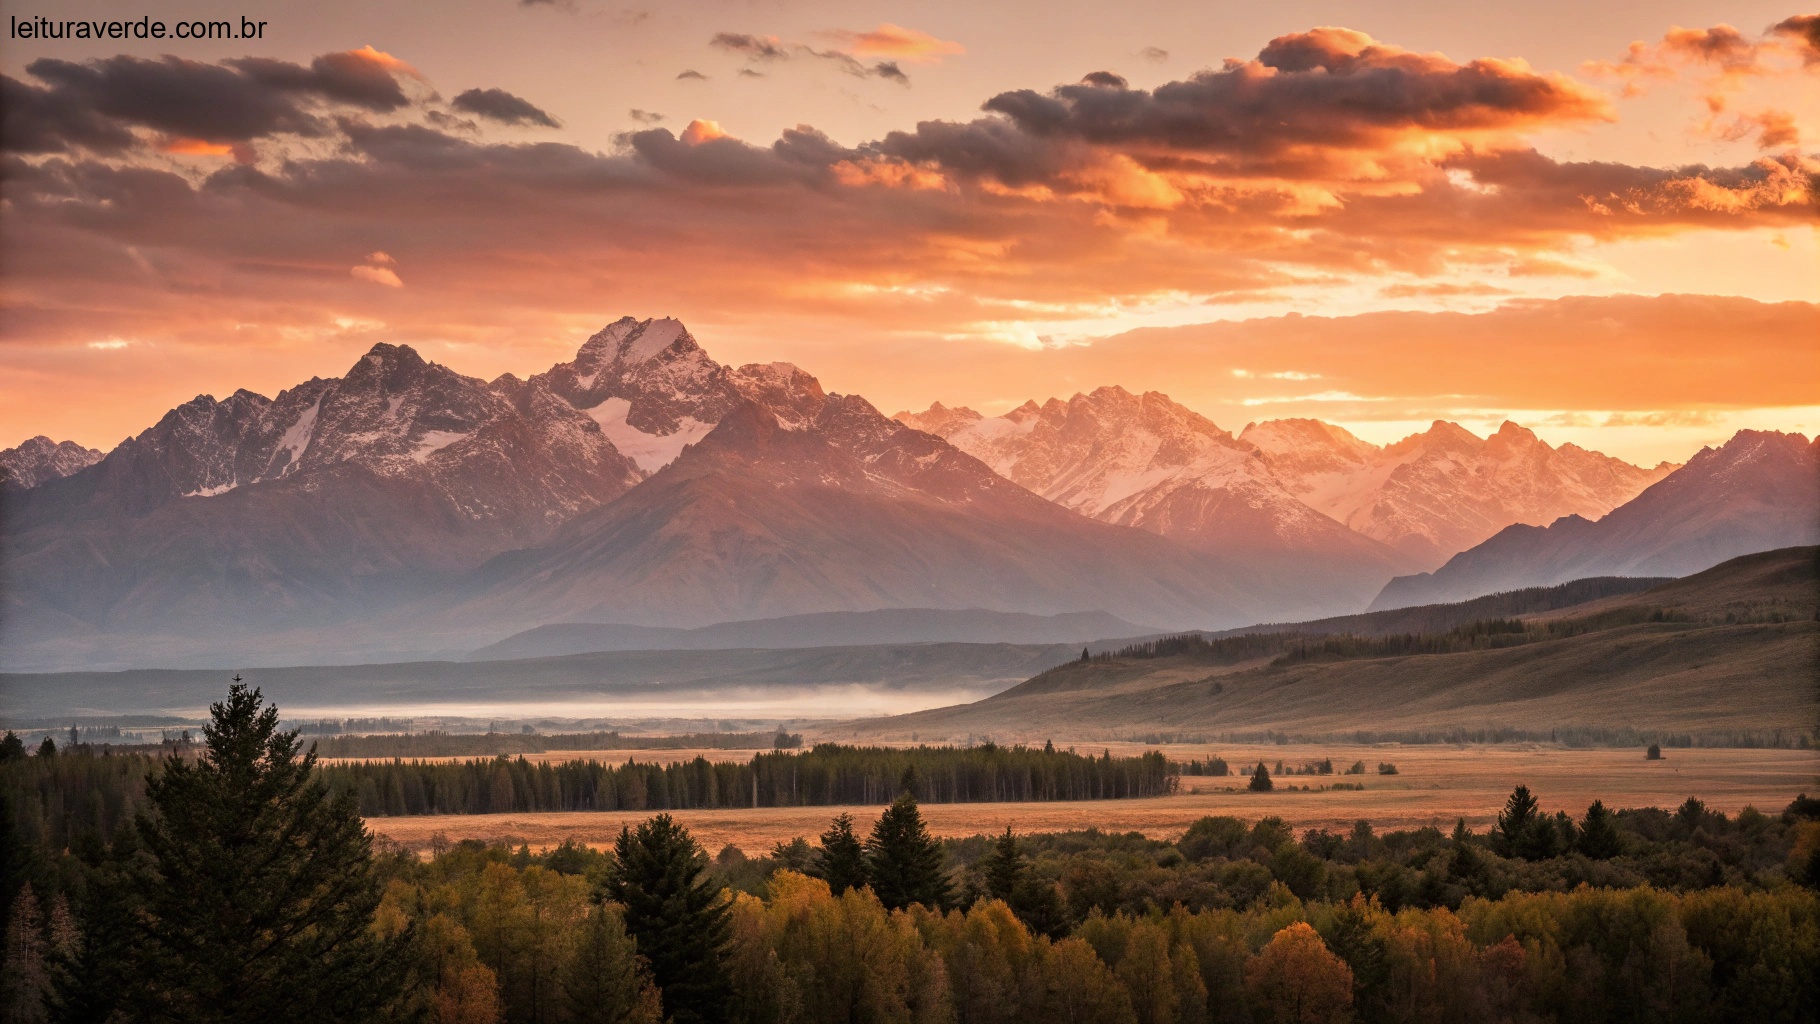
pixel 333 499
pixel 1282 486
pixel 40 459
pixel 1758 491
pixel 1441 491
pixel 1147 462
pixel 850 510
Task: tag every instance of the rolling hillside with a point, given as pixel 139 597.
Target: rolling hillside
pixel 1733 649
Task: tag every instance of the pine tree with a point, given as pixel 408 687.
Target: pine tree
pixel 1260 779
pixel 905 862
pixel 606 982
pixel 1598 833
pixel 12 748
pixel 25 981
pixel 48 748
pixel 841 862
pixel 253 893
pixel 1516 823
pixel 677 914
pixel 1004 867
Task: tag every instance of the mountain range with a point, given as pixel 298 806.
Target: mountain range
pixel 406 510
pixel 1758 491
pixel 1292 484
pixel 40 459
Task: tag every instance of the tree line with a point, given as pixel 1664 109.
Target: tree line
pixel 435 743
pixel 244 889
pixel 825 774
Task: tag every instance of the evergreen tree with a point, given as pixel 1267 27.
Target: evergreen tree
pixel 1004 867
pixel 904 861
pixel 253 892
pixel 25 981
pixel 12 748
pixel 1517 824
pixel 1464 862
pixel 48 748
pixel 678 915
pixel 1260 779
pixel 842 860
pixel 1598 833
pixel 605 981
pixel 1654 753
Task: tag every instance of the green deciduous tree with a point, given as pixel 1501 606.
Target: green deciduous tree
pixel 253 895
pixel 677 914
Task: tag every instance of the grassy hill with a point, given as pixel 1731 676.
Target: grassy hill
pixel 1733 652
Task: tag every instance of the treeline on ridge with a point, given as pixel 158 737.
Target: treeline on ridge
pixel 436 743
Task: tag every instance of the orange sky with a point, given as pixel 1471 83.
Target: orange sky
pixel 1601 227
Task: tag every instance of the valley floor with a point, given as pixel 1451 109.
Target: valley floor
pixel 1435 785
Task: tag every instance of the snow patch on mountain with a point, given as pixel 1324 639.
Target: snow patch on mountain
pixel 651 452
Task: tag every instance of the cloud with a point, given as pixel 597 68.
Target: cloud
pixel 690 73
pixel 898 43
pixel 1154 54
pixel 503 107
pixel 763 48
pixel 1339 167
pixel 1774 129
pixel 96 105
pixel 1802 33
pixel 771 49
pixel 645 116
pixel 377 270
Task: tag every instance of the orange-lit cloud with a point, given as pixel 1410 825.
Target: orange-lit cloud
pixel 1332 163
pixel 895 41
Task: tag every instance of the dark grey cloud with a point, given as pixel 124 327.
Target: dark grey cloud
pixel 1154 53
pixel 691 73
pixel 95 104
pixel 1328 88
pixel 1105 78
pixel 34 119
pixel 770 49
pixel 645 116
pixel 500 105
pixel 750 46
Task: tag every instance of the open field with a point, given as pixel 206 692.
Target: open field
pixel 1435 785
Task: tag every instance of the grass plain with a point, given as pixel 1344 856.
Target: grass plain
pixel 1435 784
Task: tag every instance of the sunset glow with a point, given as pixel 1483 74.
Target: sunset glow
pixel 1615 245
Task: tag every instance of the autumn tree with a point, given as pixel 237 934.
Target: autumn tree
pixel 253 892
pixel 677 914
pixel 1296 979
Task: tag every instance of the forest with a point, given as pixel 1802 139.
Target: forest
pixel 436 743
pixel 239 885
pixel 84 793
